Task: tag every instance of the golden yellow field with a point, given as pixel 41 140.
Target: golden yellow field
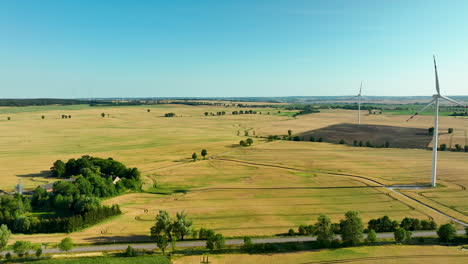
pixel 364 255
pixel 264 189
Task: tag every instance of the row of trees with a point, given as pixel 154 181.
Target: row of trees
pixel 217 113
pixel 241 112
pixel 166 230
pixel 457 147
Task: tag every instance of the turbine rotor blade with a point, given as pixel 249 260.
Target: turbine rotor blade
pixel 451 100
pixel 424 108
pixel 436 77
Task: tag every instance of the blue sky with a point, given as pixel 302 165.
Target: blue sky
pixel 231 48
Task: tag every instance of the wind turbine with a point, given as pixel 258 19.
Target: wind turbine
pixel 436 99
pixel 359 104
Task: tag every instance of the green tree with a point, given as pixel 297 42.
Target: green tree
pixel 163 225
pixel 430 130
pixel 371 237
pixel 446 232
pixel 66 244
pixel 182 225
pixel 401 234
pixel 204 153
pixel 247 242
pixel 342 141
pixel 219 241
pixel 58 169
pixel 242 143
pixel 38 252
pixel 323 230
pixel 291 232
pixel 148 110
pixel 443 147
pixel 21 247
pixel 8 256
pixel 5 234
pixel 289 132
pixel 206 113
pixel 162 241
pixel 194 156
pixel 103 114
pixel 249 141
pixel 352 228
pixel 450 130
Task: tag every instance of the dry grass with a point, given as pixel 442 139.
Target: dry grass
pixel 380 254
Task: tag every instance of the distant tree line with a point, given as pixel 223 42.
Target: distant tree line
pixel 40 101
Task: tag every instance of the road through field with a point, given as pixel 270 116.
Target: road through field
pixel 202 243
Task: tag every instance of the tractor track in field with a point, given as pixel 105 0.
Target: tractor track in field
pixel 359 178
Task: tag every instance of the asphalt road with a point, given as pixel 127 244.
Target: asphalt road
pixel 202 243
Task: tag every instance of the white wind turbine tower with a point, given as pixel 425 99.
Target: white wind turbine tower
pixel 436 99
pixel 359 104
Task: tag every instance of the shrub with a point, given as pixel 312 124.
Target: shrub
pixel 66 244
pixel 450 130
pixel 443 147
pixel 458 147
pixel 371 237
pixel 401 235
pixel 291 232
pixel 446 232
pixel 130 252
pixel 38 252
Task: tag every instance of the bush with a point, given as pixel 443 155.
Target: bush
pixel 371 237
pixel 66 244
pixel 130 252
pixel 21 247
pixel 291 232
pixel 38 252
pixel 446 232
pixel 443 147
pixel 450 130
pixel 401 235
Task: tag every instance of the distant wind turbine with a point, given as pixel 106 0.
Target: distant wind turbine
pixel 359 104
pixel 435 100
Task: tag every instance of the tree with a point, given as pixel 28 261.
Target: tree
pixel 342 141
pixel 312 139
pixel 182 225
pixel 289 132
pixel 371 237
pixel 387 144
pixel 5 234
pixel 320 139
pixel 103 114
pixel 443 147
pixel 323 230
pixel 21 247
pixel 58 169
pixel 296 138
pixel 148 110
pixel 400 235
pixel 215 241
pixel 43 117
pixel 242 143
pixel 450 130
pixel 163 225
pixel 8 256
pixel 38 252
pixel 204 153
pixel 291 232
pixel 352 228
pixel 66 244
pixel 130 252
pixel 446 232
pixel 430 130
pixel 194 156
pixel 162 241
pixel 206 113
pixel 249 141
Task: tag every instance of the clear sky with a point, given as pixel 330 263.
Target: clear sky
pixel 132 48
